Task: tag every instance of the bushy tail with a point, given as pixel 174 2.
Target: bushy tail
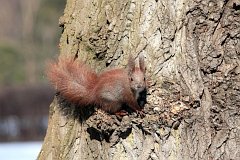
pixel 73 79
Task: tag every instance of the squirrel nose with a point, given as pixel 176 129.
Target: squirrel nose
pixel 139 86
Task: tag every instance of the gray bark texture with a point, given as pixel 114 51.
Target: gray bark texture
pixel 192 54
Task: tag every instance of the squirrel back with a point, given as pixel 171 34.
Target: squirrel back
pixel 109 90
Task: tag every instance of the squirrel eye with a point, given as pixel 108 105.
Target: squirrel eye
pixel 131 79
pixel 144 79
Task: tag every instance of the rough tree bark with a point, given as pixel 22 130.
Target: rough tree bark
pixel 192 50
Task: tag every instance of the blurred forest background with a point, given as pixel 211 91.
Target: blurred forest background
pixel 29 35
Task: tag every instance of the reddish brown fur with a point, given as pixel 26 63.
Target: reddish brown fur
pixel 116 83
pixel 74 80
pixel 80 84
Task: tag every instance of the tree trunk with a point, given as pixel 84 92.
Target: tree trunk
pixel 193 103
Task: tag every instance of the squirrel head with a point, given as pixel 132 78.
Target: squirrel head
pixel 136 75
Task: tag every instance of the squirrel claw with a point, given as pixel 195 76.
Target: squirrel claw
pixel 141 113
pixel 121 113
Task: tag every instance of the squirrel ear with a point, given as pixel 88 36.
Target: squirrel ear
pixel 141 63
pixel 131 64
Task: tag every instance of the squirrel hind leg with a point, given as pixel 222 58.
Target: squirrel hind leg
pixel 111 107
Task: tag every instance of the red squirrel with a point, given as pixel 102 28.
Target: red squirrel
pixel 109 90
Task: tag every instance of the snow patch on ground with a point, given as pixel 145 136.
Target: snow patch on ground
pixel 20 150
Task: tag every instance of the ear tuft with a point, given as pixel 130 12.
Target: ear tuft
pixel 142 63
pixel 131 64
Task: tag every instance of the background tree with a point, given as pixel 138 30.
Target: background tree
pixel 192 55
